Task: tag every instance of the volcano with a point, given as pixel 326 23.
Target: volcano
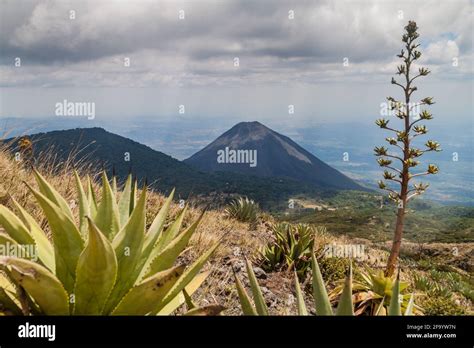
pixel 251 148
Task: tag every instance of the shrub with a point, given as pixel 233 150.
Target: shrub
pixel 108 264
pixel 441 305
pixel 333 268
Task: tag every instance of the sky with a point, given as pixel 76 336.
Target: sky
pixel 332 60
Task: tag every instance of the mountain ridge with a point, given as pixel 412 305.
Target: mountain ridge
pixel 163 172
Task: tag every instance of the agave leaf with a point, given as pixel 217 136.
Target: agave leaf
pixel 91 198
pixel 14 227
pixel 6 240
pixel 411 304
pixel 124 202
pixel 302 310
pixel 67 240
pixel 133 196
pixel 114 185
pixel 142 299
pixel 186 278
pixel 84 206
pixel 345 306
pixel 169 255
pixel 260 304
pixel 96 273
pixel 44 247
pixel 245 303
pixel 43 287
pixel 189 301
pixel 153 234
pixel 128 244
pixel 180 298
pixel 395 308
pixel 156 227
pixel 210 310
pixel 320 295
pixel 166 237
pixel 108 217
pixel 49 192
pixel 380 308
pixel 8 303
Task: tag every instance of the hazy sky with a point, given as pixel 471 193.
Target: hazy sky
pixel 190 61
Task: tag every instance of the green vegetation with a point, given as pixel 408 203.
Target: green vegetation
pixel 321 299
pixel 333 269
pixel 243 209
pixel 108 264
pixel 359 214
pixel 441 305
pixel 291 247
pixel 374 292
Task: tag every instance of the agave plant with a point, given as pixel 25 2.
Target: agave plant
pixel 243 209
pixel 291 248
pixel 374 293
pixel 321 299
pixel 107 264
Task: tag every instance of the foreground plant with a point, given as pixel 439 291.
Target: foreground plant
pixel 108 264
pixel 402 142
pixel 291 247
pixel 321 299
pixel 374 292
pixel 243 209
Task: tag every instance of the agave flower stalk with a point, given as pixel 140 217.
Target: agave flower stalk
pixel 404 153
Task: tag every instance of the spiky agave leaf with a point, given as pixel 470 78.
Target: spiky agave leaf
pixel 260 304
pixel 67 240
pixel 395 306
pixel 8 303
pixel 320 295
pixel 125 201
pixel 302 310
pixel 186 278
pixel 43 286
pixel 180 299
pixel 128 244
pixel 244 298
pixel 142 299
pixel 410 306
pixel 43 245
pixel 169 254
pixel 108 216
pixel 345 306
pixel 84 206
pixel 96 273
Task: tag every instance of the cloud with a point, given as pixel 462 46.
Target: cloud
pixel 199 49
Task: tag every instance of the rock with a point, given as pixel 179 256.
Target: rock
pixel 236 251
pixel 238 266
pixel 259 273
